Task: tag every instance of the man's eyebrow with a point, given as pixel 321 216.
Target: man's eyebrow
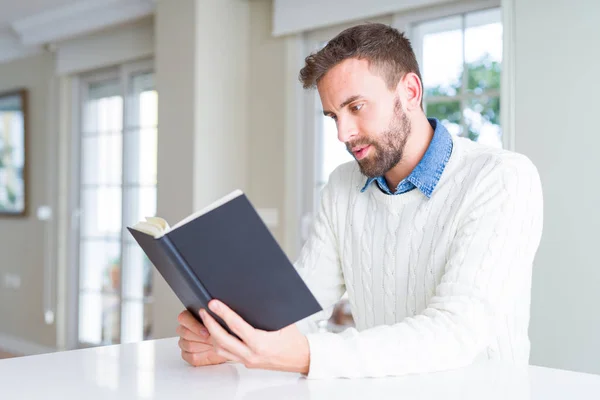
pixel 350 100
pixel 344 103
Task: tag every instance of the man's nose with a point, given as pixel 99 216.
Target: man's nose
pixel 347 130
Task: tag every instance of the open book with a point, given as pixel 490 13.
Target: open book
pixel 225 251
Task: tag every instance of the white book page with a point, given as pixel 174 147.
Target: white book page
pixel 153 226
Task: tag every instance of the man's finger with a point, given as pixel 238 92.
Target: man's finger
pixel 223 339
pixel 185 333
pixel 221 352
pixel 236 323
pixel 186 319
pixel 194 347
pixel 209 357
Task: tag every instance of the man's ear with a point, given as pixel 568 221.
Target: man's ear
pixel 410 90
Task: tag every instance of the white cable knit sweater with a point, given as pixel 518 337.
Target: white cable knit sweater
pixel 433 283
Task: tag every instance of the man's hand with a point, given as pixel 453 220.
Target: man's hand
pixel 195 342
pixel 283 350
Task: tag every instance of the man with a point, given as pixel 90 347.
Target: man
pixel 432 236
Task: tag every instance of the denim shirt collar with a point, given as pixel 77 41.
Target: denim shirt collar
pixel 428 171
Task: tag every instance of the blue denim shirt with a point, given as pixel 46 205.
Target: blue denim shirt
pixel 427 173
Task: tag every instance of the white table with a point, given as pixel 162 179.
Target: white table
pixel 154 370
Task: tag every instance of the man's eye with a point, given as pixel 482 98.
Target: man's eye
pixel 333 117
pixel 356 107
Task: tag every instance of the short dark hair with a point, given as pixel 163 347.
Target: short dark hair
pixel 386 49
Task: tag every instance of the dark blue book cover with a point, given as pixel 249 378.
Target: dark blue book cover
pixel 229 254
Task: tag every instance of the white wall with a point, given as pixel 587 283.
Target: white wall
pixel 221 102
pixel 266 99
pixel 557 89
pixel 22 240
pixel 175 71
pixel 109 47
pixel 201 59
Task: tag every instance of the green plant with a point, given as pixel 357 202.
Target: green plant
pixel 483 74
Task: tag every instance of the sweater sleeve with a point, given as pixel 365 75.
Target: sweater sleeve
pixel 319 262
pixel 489 263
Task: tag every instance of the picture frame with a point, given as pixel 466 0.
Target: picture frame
pixel 13 153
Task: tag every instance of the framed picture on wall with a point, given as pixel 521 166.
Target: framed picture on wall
pixel 13 166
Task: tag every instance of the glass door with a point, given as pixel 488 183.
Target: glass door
pixel 116 188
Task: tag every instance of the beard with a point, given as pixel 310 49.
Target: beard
pixel 388 148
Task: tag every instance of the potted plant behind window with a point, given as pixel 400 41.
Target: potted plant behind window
pixel 113 274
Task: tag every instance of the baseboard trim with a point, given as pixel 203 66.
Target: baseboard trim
pixel 20 347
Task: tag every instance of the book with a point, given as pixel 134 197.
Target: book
pixel 225 251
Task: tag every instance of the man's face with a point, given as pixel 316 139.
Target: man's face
pixel 369 116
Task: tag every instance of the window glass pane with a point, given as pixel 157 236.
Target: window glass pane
pixel 100 265
pixel 137 321
pixel 142 156
pixel 101 211
pixel 103 114
pixel 448 112
pixel 101 161
pixel 99 319
pixel 137 279
pixel 144 102
pixel 104 89
pixel 483 50
pixel 334 152
pixel 148 109
pixel 482 117
pixel 101 157
pixel 141 203
pixel 442 55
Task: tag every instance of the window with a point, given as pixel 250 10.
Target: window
pixel 460 59
pixel 117 144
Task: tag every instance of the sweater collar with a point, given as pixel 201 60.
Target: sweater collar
pixel 428 171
